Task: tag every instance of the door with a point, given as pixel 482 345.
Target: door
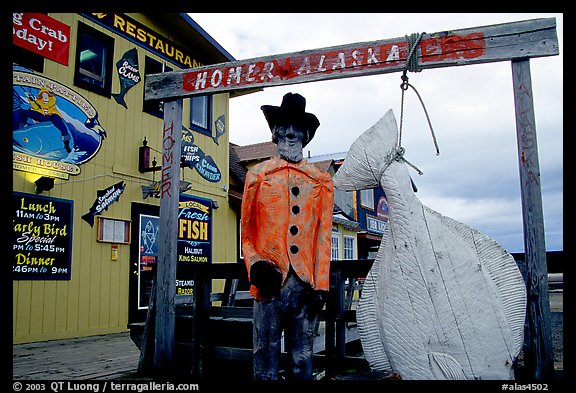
pixel 143 258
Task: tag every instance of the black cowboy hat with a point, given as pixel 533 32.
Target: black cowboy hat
pixel 292 111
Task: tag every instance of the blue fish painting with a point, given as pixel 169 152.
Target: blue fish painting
pixel 51 121
pixel 220 125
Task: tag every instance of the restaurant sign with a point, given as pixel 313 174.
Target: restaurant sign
pixel 41 237
pixel 145 37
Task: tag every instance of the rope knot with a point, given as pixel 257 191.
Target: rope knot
pixel 399 153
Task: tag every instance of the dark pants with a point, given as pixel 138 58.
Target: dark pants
pixel 291 312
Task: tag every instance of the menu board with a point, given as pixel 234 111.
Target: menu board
pixel 41 237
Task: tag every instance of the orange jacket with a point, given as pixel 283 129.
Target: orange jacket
pixel 286 219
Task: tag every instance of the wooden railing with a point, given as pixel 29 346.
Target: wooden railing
pixel 344 276
pixel 198 348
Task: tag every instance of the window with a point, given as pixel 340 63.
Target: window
pixel 349 247
pixel 367 199
pixel 200 114
pixel 93 69
pixel 151 66
pixel 335 246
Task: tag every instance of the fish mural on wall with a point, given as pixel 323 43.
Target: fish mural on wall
pixel 442 300
pixel 53 123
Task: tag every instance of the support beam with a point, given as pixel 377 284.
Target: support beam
pixel 506 41
pixel 538 354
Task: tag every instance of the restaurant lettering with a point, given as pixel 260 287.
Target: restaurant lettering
pixel 145 37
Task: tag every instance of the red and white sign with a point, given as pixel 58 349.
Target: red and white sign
pixel 42 34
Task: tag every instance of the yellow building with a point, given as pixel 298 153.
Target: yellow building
pixel 85 189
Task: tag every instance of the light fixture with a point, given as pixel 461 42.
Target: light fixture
pixel 44 184
pixel 215 205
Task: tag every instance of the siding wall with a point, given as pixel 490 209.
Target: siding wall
pixel 95 299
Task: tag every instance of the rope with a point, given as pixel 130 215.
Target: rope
pixel 425 112
pixel 412 42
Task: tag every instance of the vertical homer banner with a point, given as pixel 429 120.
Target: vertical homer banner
pixel 41 237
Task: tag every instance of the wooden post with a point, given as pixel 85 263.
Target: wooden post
pixel 331 315
pixel 538 355
pixel 168 236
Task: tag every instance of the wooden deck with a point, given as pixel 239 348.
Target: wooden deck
pixel 107 357
pixel 115 356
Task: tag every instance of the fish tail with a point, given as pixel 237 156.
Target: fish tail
pixel 445 366
pixel 119 97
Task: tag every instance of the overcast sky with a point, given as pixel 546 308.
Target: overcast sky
pixel 475 179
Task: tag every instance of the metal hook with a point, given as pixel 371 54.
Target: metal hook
pixel 404 84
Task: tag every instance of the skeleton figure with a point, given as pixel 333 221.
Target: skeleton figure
pixel 442 300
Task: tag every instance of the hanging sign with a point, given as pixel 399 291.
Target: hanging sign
pixel 448 48
pixel 153 189
pixel 220 125
pixel 41 237
pixel 41 34
pixel 105 198
pixel 128 73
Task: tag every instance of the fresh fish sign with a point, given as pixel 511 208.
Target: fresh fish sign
pixel 128 73
pixel 105 198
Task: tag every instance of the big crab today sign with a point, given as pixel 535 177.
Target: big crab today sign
pixel 41 34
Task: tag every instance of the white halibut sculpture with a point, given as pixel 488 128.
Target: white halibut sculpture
pixel 442 300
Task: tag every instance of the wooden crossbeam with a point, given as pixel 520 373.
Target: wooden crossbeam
pixel 500 42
